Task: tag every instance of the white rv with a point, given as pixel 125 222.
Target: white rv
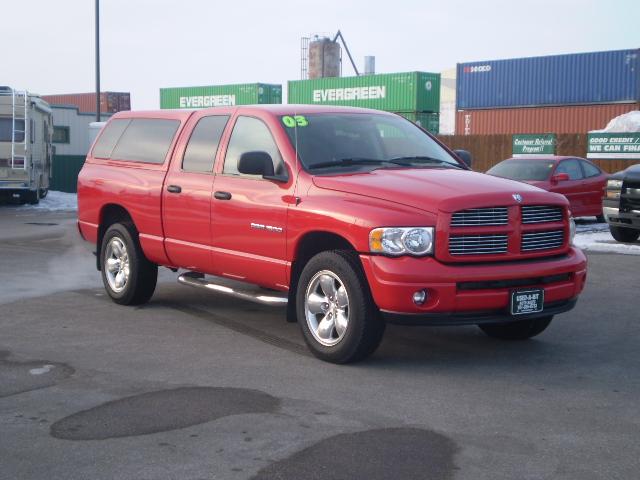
pixel 25 145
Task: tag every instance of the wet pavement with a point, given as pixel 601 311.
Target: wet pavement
pixel 195 385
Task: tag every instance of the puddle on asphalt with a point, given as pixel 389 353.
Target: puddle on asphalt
pixel 20 377
pixel 161 411
pixel 403 453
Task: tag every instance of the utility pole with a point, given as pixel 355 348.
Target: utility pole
pixel 97 60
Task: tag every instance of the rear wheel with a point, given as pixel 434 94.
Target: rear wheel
pixel 624 234
pixel 128 277
pixel 339 321
pixel 600 218
pixel 520 330
pixel 43 192
pixel 33 197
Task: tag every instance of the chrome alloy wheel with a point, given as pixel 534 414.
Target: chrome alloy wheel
pixel 116 264
pixel 326 308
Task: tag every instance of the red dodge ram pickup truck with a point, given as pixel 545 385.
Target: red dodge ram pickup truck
pixel 351 217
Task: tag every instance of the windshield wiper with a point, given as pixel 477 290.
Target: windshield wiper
pixel 426 159
pixel 346 162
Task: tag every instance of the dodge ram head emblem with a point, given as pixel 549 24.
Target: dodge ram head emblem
pixel 517 197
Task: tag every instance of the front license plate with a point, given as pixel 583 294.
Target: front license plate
pixel 527 301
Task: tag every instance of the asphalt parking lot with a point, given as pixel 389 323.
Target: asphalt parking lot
pixel 199 386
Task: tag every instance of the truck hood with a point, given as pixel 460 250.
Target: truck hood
pixel 433 189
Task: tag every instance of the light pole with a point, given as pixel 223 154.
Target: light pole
pixel 97 60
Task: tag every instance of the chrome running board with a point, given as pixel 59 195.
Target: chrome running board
pixel 195 279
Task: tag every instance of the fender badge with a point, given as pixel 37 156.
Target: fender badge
pixel 517 197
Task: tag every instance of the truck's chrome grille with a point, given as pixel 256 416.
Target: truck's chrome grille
pixel 478 217
pixel 542 240
pixel 541 214
pixel 477 244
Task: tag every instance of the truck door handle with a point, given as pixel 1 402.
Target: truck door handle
pixel 222 196
pixel 174 189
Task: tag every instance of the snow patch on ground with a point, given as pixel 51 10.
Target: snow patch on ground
pixel 56 202
pixel 595 237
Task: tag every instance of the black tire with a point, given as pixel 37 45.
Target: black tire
pixel 143 274
pixel 33 197
pixel 43 192
pixel 365 325
pixel 626 235
pixel 600 219
pixel 520 330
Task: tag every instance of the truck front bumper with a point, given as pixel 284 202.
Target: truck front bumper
pixel 470 293
pixel 614 217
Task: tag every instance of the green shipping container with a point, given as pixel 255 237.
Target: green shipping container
pixel 393 92
pixel 428 121
pixel 220 95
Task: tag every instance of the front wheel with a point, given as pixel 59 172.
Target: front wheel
pixel 519 330
pixel 128 277
pixel 626 235
pixel 337 316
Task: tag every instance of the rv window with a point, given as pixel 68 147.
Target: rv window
pixel 61 134
pixel 6 126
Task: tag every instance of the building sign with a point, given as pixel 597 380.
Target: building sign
pixel 614 145
pixel 533 144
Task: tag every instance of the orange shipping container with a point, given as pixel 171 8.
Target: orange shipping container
pixel 568 119
pixel 110 102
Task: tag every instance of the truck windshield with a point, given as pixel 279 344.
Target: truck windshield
pixel 330 141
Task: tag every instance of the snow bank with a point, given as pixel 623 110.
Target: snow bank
pixel 604 242
pixel 625 123
pixel 56 202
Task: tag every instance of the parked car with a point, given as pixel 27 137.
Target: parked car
pixel 578 179
pixel 621 205
pixel 354 217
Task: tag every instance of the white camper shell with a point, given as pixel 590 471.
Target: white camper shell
pixel 25 145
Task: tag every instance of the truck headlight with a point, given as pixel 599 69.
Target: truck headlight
pixel 402 240
pixel 572 229
pixel 614 188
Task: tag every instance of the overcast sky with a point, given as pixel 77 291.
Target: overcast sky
pixel 48 45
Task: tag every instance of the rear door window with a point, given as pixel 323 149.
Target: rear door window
pixel 589 169
pixel 203 144
pixel 146 140
pixel 570 167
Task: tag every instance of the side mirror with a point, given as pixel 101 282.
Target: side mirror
pixel 256 163
pixel 559 177
pixel 465 156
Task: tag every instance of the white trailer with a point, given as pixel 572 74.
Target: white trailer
pixel 26 128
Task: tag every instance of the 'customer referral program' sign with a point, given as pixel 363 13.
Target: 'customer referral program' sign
pixel 533 144
pixel 614 145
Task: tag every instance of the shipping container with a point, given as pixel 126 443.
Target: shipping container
pixel 220 95
pixel 428 121
pixel 110 102
pixel 393 92
pixel 574 79
pixel 569 119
